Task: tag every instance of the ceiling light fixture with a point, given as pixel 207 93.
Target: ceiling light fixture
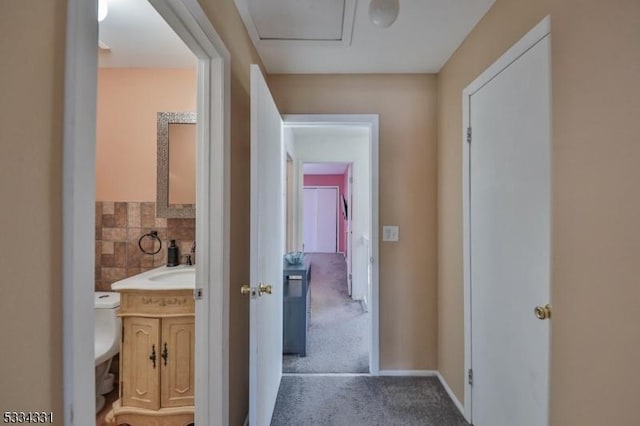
pixel 103 9
pixel 383 13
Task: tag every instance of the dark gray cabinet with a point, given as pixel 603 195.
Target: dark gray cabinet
pixel 296 307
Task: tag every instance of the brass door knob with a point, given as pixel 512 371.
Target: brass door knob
pixel 543 312
pixel 245 290
pixel 265 289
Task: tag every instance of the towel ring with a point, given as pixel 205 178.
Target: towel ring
pixel 154 236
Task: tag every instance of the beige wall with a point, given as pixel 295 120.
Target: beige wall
pixel 595 295
pixel 32 45
pixel 596 211
pixel 32 49
pixel 407 108
pixel 505 23
pixel 129 100
pixel 225 18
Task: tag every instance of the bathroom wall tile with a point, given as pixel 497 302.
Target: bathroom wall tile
pixel 108 260
pixel 120 215
pixel 146 262
pixel 147 215
pixel 120 225
pixel 133 234
pixel 98 252
pixel 181 223
pixel 133 271
pixel 120 256
pixel 98 215
pixel 134 255
pixel 108 207
pixel 133 215
pixel 181 234
pixel 108 221
pixel 108 247
pixel 105 286
pixel 112 275
pixel 114 234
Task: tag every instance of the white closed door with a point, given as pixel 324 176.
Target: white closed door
pixel 267 249
pixel 320 223
pixel 510 242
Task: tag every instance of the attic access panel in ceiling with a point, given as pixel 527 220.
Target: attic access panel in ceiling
pixel 298 19
pixel 304 22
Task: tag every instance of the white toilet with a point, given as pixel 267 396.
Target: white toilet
pixel 108 330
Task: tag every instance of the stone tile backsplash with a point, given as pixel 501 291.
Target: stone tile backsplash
pixel 119 226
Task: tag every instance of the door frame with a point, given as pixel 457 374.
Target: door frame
pixel 370 121
pixel 337 188
pixel 541 30
pixel 189 21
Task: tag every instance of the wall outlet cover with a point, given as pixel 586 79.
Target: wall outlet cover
pixel 390 233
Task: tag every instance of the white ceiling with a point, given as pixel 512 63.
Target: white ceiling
pixel 421 40
pixel 324 168
pixel 339 36
pixel 140 38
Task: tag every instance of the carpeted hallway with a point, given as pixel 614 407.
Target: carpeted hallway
pixel 339 343
pixel 364 401
pixel 338 339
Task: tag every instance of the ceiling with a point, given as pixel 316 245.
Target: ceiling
pixel 324 168
pixel 140 38
pixel 304 36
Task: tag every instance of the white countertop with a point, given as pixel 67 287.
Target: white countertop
pixel 182 277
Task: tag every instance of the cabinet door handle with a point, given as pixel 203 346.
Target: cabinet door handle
pixel 152 357
pixel 165 353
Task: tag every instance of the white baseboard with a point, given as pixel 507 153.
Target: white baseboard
pixel 409 373
pixel 453 397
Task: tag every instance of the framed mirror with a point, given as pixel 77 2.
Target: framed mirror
pixel 176 191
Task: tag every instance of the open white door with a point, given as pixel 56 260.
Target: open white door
pixel 267 249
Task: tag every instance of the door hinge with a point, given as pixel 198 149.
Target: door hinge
pixel 468 134
pixel 350 277
pixel 470 377
pixel 197 294
pixel 371 259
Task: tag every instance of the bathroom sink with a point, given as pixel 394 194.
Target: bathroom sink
pixel 179 276
pixel 162 278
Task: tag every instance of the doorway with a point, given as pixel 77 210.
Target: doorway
pixel 271 143
pixel 507 220
pixel 192 25
pixel 337 339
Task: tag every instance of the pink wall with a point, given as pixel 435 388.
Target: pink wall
pixel 129 100
pixel 332 180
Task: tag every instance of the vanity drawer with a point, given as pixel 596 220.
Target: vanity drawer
pixel 157 303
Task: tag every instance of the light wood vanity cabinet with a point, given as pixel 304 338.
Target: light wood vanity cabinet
pixel 156 359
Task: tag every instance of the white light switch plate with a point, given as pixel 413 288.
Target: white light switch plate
pixel 390 233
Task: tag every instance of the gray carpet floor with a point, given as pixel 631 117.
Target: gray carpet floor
pixel 338 339
pixel 364 401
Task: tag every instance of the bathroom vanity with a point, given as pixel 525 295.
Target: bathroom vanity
pixel 157 351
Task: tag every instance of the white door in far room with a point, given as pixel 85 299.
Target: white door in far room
pixel 510 242
pixel 320 219
pixel 267 248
